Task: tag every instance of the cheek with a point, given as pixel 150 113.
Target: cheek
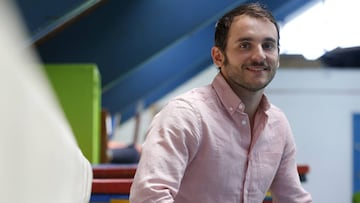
pixel 236 59
pixel 278 64
pixel 273 60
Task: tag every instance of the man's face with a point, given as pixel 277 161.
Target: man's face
pixel 251 56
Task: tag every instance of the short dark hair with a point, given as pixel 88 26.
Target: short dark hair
pixel 223 25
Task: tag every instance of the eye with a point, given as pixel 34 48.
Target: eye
pixel 269 46
pixel 245 45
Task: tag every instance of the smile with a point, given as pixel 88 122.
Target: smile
pixel 257 68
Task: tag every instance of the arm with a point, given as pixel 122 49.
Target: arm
pixel 170 144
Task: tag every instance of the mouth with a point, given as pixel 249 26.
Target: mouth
pixel 257 68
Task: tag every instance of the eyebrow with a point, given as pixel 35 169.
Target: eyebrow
pixel 267 39
pixel 244 39
pixel 270 39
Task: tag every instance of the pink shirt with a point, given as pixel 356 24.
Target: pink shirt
pixel 199 148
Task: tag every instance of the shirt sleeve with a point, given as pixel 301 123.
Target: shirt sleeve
pixel 171 143
pixel 286 187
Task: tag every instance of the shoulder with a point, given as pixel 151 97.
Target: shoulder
pixel 278 121
pixel 200 93
pixel 186 105
pixel 189 106
pixel 276 113
pixel 193 99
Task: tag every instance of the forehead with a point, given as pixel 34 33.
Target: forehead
pixel 245 26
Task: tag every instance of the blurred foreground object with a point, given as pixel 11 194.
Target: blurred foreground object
pixel 40 159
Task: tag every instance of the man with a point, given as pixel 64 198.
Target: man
pixel 225 142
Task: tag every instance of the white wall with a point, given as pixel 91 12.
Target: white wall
pixel 319 104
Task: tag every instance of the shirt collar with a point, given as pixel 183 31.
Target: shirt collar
pixel 228 97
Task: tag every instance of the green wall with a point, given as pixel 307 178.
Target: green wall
pixel 78 88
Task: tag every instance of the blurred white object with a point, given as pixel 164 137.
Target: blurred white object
pixel 40 159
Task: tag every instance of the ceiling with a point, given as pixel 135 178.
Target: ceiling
pixel 144 49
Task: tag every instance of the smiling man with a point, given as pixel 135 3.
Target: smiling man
pixel 225 142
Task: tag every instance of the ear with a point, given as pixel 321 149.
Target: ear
pixel 217 56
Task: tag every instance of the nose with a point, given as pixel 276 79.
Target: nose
pixel 258 54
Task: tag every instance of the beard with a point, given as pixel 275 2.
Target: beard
pixel 250 81
pixel 255 87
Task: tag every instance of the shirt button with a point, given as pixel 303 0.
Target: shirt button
pixel 230 109
pixel 243 122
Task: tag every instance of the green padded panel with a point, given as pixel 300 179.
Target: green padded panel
pixel 356 197
pixel 78 88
